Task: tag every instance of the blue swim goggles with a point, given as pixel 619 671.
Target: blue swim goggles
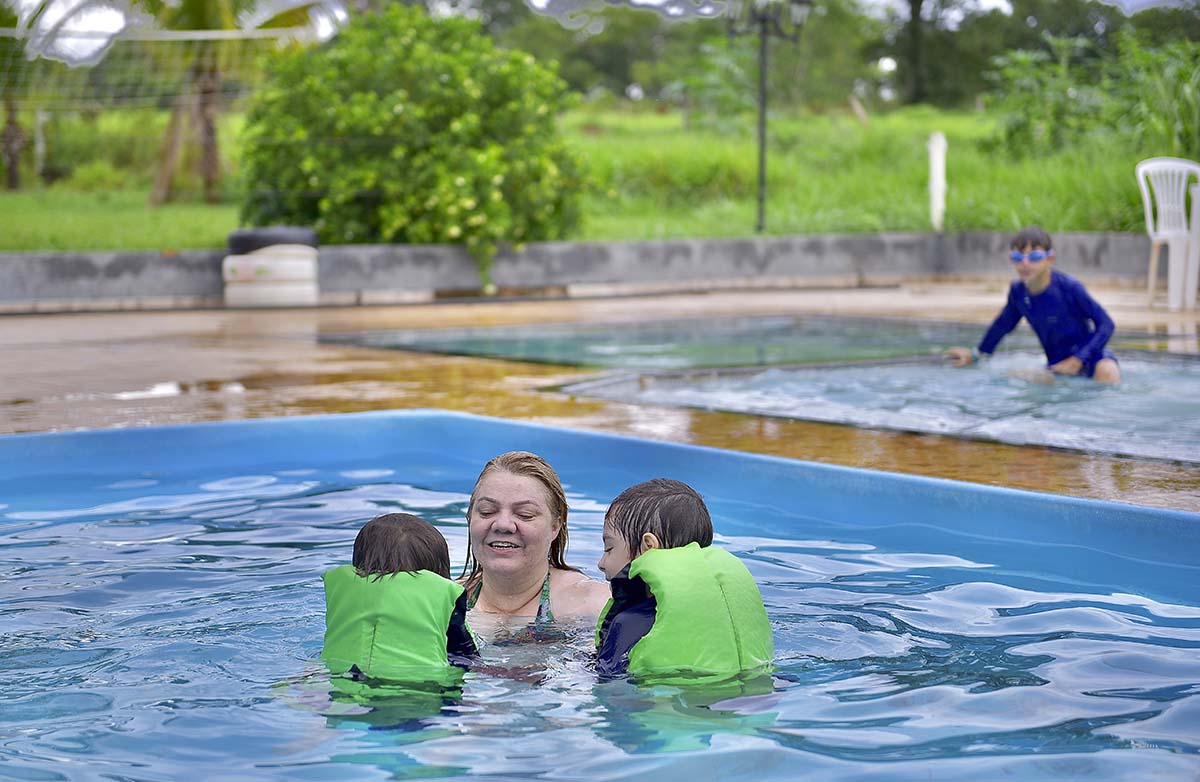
pixel 1033 256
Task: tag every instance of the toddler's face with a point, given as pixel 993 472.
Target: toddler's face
pixel 616 553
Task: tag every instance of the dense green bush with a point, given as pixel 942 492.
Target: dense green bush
pixel 1159 92
pixel 410 129
pixel 1148 102
pixel 1047 104
pixel 75 139
pixel 117 148
pixel 95 176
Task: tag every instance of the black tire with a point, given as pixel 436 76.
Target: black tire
pixel 247 240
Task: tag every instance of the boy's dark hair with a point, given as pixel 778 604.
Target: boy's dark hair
pixel 1033 236
pixel 397 542
pixel 670 509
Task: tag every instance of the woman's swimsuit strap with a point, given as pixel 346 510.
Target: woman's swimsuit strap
pixel 544 615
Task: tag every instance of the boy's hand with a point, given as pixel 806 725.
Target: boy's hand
pixel 960 357
pixel 1068 366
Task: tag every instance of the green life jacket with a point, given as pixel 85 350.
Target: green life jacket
pixel 709 615
pixel 393 627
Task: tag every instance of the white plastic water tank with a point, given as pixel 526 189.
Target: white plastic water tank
pixel 271 266
pixel 278 275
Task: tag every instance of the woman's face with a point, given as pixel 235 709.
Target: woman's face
pixel 511 524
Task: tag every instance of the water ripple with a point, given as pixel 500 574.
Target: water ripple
pixel 169 630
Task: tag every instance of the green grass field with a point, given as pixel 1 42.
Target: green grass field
pixel 831 173
pixel 58 219
pixel 652 176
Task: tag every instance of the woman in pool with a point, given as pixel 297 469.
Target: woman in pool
pixel 516 574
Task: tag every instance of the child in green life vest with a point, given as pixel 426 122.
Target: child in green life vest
pixel 394 614
pixel 680 605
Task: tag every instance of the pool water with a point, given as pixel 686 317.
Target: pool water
pixel 1154 412
pixel 162 614
pixel 674 344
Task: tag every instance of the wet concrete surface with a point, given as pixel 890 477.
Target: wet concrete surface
pixel 74 371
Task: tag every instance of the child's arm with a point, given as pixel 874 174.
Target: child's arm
pixel 1005 322
pixel 625 630
pixel 629 617
pixel 1094 348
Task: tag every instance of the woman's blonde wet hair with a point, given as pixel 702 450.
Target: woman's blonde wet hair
pixel 529 465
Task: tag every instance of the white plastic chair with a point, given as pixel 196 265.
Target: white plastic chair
pixel 1164 185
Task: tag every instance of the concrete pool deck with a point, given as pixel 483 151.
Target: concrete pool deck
pixel 70 371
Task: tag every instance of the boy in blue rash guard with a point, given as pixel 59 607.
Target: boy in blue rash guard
pixel 1071 326
pixel 680 606
pixel 394 614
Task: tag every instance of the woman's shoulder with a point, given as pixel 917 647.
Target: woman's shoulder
pixel 574 594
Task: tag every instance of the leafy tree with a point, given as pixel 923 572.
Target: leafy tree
pixel 1155 27
pixel 1046 105
pixel 945 48
pixel 548 41
pixel 587 59
pixel 201 100
pixel 198 101
pixel 959 59
pixel 922 42
pixel 714 96
pixel 499 16
pixel 1149 94
pixel 694 63
pixel 1031 20
pixel 410 129
pixel 917 90
pixel 834 55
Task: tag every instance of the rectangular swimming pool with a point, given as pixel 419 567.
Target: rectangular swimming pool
pixel 163 608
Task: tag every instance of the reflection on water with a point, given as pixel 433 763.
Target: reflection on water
pixel 168 627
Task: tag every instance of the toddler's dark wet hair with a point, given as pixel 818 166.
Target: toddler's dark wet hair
pixel 670 509
pixel 399 542
pixel 1033 236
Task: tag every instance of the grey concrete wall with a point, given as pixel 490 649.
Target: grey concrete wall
pixel 110 280
pixel 708 260
pixel 364 274
pixel 1094 257
pixel 375 268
